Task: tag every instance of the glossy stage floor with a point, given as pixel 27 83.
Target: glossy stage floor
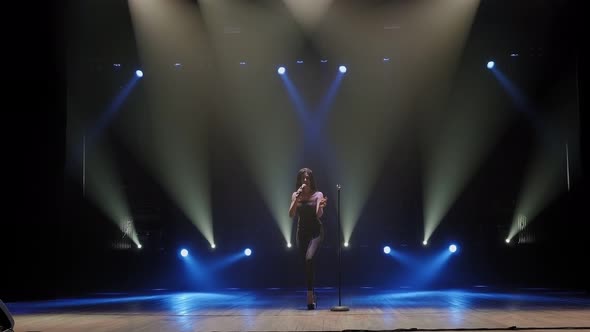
pixel 478 308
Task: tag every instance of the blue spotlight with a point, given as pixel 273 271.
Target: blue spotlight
pixel 386 250
pixel 491 64
pixel 452 248
pixel 247 252
pixel 281 70
pixel 139 73
pixel 184 253
pixel 342 69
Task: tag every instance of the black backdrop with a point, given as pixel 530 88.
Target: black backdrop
pixel 47 252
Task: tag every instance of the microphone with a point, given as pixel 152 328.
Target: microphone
pixel 299 190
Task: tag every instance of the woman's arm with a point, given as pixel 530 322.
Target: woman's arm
pixel 293 207
pixel 320 204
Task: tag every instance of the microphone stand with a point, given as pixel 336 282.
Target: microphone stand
pixel 339 307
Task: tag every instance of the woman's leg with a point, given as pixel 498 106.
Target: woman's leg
pixel 312 248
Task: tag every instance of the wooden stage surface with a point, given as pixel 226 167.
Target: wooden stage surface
pixel 284 310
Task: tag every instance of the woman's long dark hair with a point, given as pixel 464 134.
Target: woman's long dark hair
pixel 299 181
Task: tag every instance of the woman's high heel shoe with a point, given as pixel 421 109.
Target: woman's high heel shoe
pixel 311 306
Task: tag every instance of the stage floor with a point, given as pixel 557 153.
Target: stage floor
pixel 284 310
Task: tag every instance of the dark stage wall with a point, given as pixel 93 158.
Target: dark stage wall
pixel 57 242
